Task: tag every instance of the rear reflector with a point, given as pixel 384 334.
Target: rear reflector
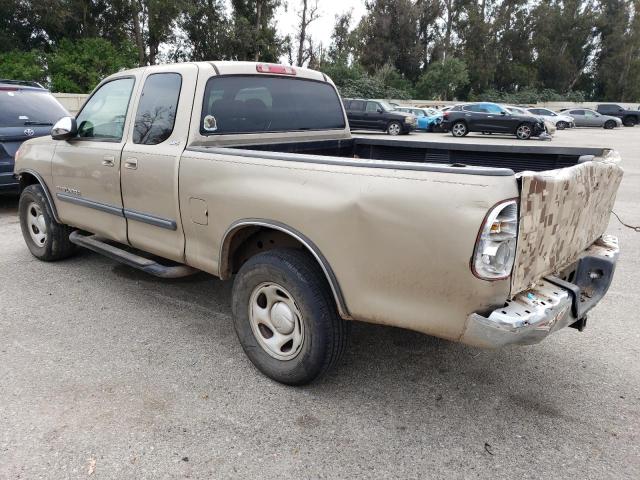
pixel 270 68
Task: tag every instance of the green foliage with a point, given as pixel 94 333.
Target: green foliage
pixel 16 65
pixel 443 79
pixel 528 95
pixel 79 66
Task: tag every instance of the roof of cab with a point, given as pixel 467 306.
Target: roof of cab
pixel 233 68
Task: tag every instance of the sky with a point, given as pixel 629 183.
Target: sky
pixel 321 29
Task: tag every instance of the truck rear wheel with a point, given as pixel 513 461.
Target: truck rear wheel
pixel 46 239
pixel 285 316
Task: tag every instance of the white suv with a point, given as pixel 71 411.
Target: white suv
pixel 558 119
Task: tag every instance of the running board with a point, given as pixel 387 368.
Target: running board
pixel 99 245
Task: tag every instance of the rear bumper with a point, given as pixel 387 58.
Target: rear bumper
pixel 552 304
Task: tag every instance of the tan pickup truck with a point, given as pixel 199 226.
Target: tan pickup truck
pixel 249 171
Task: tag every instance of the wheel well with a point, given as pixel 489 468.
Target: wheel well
pixel 242 243
pixel 27 179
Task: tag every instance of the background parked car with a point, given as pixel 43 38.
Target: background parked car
pixel 427 118
pixel 560 120
pixel 27 110
pixel 490 118
pixel 629 118
pixel 584 117
pixel 548 126
pixel 377 115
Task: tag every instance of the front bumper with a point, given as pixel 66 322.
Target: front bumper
pixel 553 303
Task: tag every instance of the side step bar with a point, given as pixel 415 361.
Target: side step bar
pixel 99 245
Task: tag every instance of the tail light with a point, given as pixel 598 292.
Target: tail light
pixel 445 114
pixel 495 249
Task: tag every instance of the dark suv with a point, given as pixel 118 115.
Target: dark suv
pixel 27 110
pixel 364 114
pixel 489 117
pixel 629 117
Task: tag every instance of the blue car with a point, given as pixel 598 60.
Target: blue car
pixel 27 110
pixel 428 118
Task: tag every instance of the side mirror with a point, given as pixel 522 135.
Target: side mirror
pixel 64 129
pixel 503 112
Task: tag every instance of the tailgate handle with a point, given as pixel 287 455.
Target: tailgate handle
pixel 108 160
pixel 131 163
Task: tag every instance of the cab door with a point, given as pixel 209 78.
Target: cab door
pixel 86 169
pixel 150 160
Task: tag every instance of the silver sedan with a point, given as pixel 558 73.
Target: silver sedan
pixel 583 117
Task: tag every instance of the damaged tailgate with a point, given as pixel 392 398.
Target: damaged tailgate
pixel 562 212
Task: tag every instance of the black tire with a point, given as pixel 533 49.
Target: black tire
pixel 55 245
pixel 325 334
pixel 561 125
pixel 630 121
pixel 524 131
pixel 459 129
pixel 394 128
pixel 609 124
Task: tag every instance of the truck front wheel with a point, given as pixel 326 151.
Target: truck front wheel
pixel 630 121
pixel 285 316
pixel 46 239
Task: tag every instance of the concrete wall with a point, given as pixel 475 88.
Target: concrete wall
pixel 71 101
pixel 550 105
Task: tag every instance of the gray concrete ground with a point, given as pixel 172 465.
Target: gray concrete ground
pixel 106 372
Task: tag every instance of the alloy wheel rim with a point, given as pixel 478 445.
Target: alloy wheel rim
pixel 36 224
pixel 394 129
pixel 524 131
pixel 276 321
pixel 458 129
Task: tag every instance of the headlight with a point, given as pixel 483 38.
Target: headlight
pixel 495 249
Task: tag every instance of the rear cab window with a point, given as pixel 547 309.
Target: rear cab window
pixel 260 103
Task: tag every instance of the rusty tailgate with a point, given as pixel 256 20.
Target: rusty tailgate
pixel 562 212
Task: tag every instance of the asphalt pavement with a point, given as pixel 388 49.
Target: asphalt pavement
pixel 108 373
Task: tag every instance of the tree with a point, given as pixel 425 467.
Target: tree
pixel 207 31
pixel 253 33
pixel 306 16
pixel 77 67
pixel 388 34
pixel 17 65
pixel 443 79
pixel 618 59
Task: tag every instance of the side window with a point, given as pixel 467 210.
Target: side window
pixel 372 107
pixel 103 116
pixel 577 112
pixel 589 113
pixel 156 113
pixel 357 105
pixel 492 108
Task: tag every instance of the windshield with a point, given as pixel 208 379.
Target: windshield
pixel 386 105
pixel 20 107
pixel 256 103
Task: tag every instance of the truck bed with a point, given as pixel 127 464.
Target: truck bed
pixel 515 158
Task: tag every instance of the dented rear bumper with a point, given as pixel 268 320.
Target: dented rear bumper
pixel 553 303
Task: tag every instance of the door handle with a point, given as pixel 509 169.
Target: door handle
pixel 108 160
pixel 131 163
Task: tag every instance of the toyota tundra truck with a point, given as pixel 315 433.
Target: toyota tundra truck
pixel 249 171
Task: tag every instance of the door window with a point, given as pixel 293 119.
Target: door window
pixel 103 116
pixel 493 108
pixel 156 113
pixel 589 113
pixel 372 107
pixel 357 105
